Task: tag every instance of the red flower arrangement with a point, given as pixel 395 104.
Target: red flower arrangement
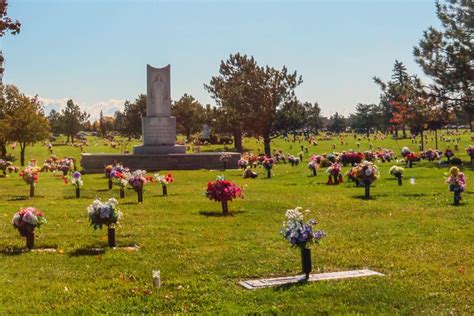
pixel 223 191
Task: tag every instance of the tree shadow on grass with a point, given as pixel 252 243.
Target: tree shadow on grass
pixel 219 214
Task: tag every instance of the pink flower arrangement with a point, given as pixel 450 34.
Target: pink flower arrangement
pixel 138 179
pixel 223 190
pixel 334 171
pixel 27 219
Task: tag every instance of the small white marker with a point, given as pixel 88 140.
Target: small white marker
pixel 156 278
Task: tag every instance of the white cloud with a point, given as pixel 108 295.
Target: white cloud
pixel 108 106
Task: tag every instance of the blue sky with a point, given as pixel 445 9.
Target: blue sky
pixel 96 51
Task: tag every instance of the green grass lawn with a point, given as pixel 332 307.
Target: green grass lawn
pixel 412 234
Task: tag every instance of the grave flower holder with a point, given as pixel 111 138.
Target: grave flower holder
pixel 225 207
pixel 140 195
pixel 122 192
pixel 110 183
pixel 457 197
pixel 29 235
pixel 399 179
pixel 306 264
pixel 367 189
pixel 78 192
pixel 32 189
pixel 314 172
pixel 111 236
pixel 269 173
pixel 164 188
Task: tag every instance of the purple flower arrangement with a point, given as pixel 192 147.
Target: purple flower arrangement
pixel 300 232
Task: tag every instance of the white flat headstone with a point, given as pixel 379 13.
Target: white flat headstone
pixel 263 283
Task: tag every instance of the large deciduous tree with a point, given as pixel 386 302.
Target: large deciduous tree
pixel 7 25
pixel 274 89
pixel 23 121
pixel 189 115
pixel 447 55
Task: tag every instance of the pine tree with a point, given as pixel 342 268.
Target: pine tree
pixel 447 55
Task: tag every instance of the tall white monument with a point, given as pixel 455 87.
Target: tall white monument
pixel 158 126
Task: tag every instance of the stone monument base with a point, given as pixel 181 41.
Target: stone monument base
pixel 162 149
pixel 95 163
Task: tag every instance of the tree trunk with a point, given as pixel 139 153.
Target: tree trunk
pixel 422 141
pixel 72 138
pixel 238 140
pixel 22 154
pixel 436 138
pixel 266 145
pixel 4 149
pixel 67 139
pixel 471 126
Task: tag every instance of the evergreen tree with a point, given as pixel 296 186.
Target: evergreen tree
pixel 447 55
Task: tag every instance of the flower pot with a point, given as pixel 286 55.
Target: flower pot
pixel 78 193
pixel 111 236
pixel 306 261
pixel 225 208
pixel 110 184
pixel 140 195
pixel 30 240
pixel 32 189
pixel 122 193
pixel 165 190
pixel 367 189
pixel 457 197
pixel 399 178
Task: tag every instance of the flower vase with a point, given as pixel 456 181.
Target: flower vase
pixel 78 193
pixel 225 207
pixel 110 183
pixel 165 190
pixel 314 172
pixel 140 195
pixel 367 189
pixel 64 173
pixel 269 173
pixel 122 193
pixel 335 179
pixel 292 163
pixel 457 197
pixel 399 178
pixel 306 262
pixel 32 190
pixel 111 236
pixel 30 240
pixel 410 164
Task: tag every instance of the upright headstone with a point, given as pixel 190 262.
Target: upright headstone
pixel 206 131
pixel 158 126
